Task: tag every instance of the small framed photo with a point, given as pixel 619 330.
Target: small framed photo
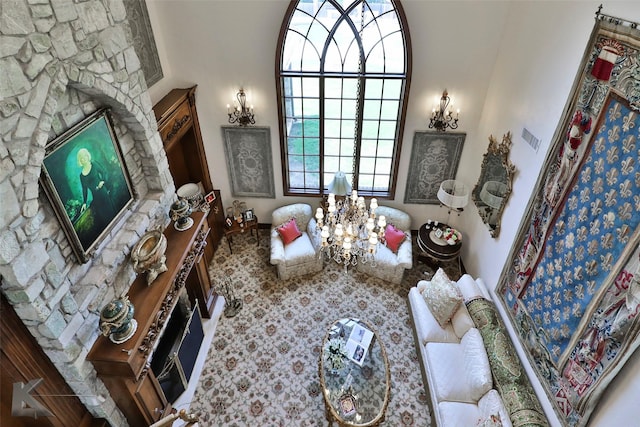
pixel 229 222
pixel 348 404
pixel 248 215
pixel 209 198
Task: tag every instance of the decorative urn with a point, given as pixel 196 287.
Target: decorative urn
pixel 116 320
pixel 180 211
pixel 148 255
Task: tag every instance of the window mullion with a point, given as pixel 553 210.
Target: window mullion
pixel 321 121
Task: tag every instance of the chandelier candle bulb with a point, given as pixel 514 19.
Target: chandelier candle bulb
pixel 319 216
pixel 370 225
pixel 347 244
pixel 373 243
pixel 339 231
pixel 325 236
pixel 373 205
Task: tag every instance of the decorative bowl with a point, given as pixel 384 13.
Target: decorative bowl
pixel 148 255
pixel 191 193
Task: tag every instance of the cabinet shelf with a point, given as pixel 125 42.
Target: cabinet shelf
pixel 179 129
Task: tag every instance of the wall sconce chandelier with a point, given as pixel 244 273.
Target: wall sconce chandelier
pixel 241 114
pixel 442 114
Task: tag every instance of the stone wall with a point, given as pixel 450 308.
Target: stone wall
pixel 60 60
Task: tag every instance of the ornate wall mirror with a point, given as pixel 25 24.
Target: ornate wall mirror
pixel 494 185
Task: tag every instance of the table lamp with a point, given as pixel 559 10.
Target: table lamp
pixel 339 185
pixel 454 195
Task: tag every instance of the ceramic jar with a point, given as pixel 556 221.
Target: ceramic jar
pixel 180 211
pixel 116 320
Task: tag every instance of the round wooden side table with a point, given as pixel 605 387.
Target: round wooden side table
pixel 435 250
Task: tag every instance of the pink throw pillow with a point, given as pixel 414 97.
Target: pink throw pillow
pixel 289 231
pixel 393 237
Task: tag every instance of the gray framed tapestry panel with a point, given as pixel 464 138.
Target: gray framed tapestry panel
pixel 143 41
pixel 571 282
pixel 434 158
pixel 248 153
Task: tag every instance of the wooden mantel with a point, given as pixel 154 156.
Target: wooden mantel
pixel 124 368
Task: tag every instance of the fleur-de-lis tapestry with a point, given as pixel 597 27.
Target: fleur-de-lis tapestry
pixel 571 285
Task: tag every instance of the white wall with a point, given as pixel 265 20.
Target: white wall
pixel 538 60
pixel 223 45
pixel 508 64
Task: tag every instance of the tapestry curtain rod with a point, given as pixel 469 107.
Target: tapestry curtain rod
pixel 614 19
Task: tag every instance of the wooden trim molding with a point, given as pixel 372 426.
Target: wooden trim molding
pixel 23 360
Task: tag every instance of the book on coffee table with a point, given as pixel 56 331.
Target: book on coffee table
pixel 358 344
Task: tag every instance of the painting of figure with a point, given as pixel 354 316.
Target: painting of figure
pixel 87 183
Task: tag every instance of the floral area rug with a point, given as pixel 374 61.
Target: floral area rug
pixel 262 367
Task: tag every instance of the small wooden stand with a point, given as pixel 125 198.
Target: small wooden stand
pixel 435 252
pixel 239 228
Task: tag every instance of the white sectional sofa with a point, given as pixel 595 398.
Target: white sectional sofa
pixel 457 369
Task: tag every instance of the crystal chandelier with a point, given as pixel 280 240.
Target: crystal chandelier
pixel 350 232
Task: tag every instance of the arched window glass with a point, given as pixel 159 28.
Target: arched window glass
pixel 344 68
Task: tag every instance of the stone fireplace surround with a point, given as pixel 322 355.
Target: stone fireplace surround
pixel 60 61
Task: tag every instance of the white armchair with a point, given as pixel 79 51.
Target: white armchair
pixel 388 265
pixel 301 256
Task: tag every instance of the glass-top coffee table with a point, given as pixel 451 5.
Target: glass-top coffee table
pixel 354 395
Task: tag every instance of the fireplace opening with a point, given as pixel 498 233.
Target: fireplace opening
pixel 177 350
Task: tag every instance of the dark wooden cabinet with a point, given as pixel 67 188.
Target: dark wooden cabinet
pixel 179 128
pixel 216 220
pixel 198 282
pixel 23 360
pixel 125 368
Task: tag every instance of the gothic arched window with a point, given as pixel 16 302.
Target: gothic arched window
pixel 343 71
